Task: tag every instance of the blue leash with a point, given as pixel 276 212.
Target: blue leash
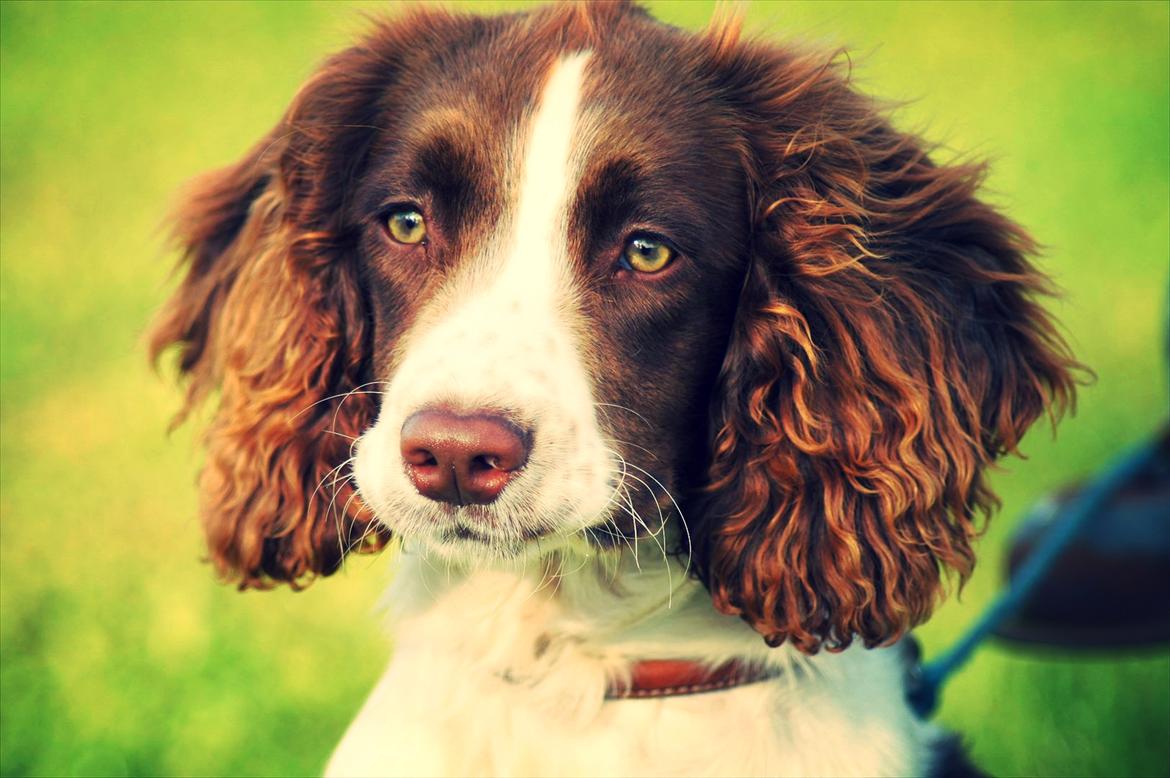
pixel 925 686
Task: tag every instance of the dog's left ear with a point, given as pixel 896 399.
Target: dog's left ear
pixel 889 346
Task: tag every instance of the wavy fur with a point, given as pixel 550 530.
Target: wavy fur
pixel 889 345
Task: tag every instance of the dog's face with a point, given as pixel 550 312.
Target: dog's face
pixel 553 241
pixel 558 278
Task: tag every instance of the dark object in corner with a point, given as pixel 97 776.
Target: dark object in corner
pixel 1110 587
pixel 951 760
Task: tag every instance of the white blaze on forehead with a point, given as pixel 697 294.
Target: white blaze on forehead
pixel 538 242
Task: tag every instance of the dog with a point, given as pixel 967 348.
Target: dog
pixel 672 367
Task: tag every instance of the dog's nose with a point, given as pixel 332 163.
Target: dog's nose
pixel 464 459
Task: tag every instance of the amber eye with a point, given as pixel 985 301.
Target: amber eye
pixel 646 255
pixel 406 225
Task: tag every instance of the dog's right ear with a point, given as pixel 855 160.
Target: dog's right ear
pixel 270 312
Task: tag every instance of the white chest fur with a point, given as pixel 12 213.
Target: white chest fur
pixel 504 673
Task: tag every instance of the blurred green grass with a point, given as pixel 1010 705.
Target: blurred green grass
pixel 120 653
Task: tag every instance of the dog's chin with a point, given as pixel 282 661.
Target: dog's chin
pixel 467 535
pixel 483 543
pixel 470 547
pixel 479 537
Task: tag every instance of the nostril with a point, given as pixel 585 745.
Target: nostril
pixel 506 459
pixel 420 457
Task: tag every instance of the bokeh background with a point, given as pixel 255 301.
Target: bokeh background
pixel 120 653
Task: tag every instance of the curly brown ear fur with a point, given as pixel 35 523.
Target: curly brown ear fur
pixel 889 345
pixel 271 313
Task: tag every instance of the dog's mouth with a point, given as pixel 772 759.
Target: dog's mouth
pixel 485 528
pixel 468 534
pixel 462 532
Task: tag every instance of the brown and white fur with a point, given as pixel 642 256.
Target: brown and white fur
pixel 774 445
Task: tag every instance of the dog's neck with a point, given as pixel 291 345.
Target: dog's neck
pixel 576 610
pixel 512 662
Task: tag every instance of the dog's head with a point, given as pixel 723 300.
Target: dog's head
pixel 557 277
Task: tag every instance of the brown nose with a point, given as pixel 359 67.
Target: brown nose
pixel 462 459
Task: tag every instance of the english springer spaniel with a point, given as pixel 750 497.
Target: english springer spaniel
pixel 674 369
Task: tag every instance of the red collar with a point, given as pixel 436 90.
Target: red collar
pixel 672 677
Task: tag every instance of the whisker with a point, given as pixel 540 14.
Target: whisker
pixel 350 393
pixel 631 445
pixel 640 521
pixel 575 570
pixel 371 527
pixel 617 490
pixel 654 536
pixel 682 518
pixel 625 474
pixel 547 574
pixel 661 516
pixel 620 535
pixel 334 472
pixel 626 465
pixel 345 512
pixel 321 483
pixel 342 395
pixel 622 492
pixel 628 410
pixel 601 558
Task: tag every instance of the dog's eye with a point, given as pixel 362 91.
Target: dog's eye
pixel 646 255
pixel 406 225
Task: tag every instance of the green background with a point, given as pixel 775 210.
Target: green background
pixel 121 655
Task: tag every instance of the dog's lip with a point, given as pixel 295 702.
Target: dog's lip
pixel 461 531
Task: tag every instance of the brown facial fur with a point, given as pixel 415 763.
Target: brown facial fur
pixel 848 338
